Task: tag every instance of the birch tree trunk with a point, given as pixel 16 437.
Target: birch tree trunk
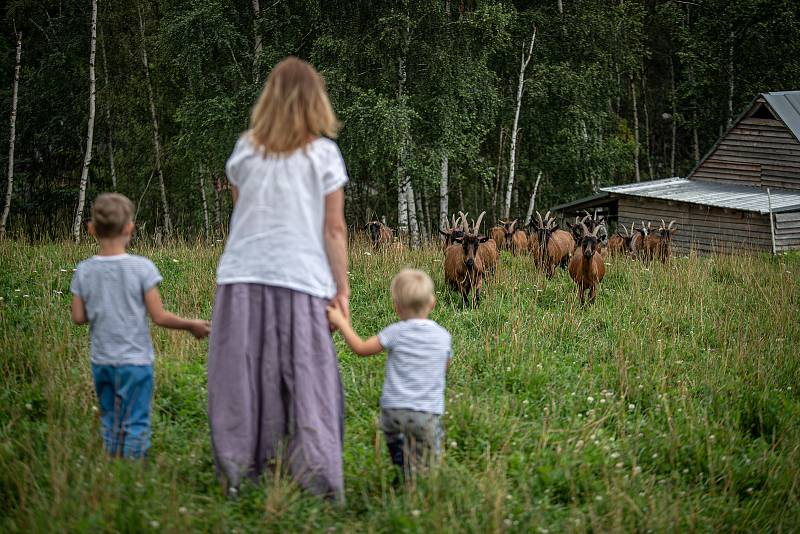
pixel 635 131
pixel 404 192
pixel 87 160
pixel 156 140
pixel 217 208
pixel 204 203
pixel 730 79
pixel 11 140
pixel 444 194
pixel 257 45
pixel 413 227
pixel 524 60
pixel 674 145
pixel 418 217
pixel 532 204
pixel 646 128
pixel 109 125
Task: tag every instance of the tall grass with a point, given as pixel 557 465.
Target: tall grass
pixel 670 404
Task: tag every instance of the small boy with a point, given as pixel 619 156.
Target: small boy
pixel 412 402
pixel 114 292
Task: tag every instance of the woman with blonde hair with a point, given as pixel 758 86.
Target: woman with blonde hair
pixel 274 390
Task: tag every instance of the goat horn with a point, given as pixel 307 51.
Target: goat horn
pixel 625 228
pixel 547 215
pixel 671 223
pixel 596 229
pixel 539 216
pixel 478 224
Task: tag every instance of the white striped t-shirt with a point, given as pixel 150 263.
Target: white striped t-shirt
pixel 419 350
pixel 112 289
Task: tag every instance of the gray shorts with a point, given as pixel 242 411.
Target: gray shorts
pixel 418 433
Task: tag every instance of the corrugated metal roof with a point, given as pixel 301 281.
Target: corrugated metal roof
pixel 786 104
pixel 707 193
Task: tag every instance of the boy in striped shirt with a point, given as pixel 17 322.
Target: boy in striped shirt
pixel 419 350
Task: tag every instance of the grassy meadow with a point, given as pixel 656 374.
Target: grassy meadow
pixel 671 404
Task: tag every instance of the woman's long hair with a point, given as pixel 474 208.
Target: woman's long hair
pixel 292 110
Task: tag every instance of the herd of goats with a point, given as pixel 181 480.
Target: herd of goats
pixel 469 256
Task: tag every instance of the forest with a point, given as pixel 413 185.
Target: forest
pixel 445 105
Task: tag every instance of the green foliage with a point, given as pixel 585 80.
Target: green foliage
pixel 461 64
pixel 671 403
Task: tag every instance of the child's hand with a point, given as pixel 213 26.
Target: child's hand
pixel 335 316
pixel 199 328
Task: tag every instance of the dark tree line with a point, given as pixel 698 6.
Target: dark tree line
pixel 614 91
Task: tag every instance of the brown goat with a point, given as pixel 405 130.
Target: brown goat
pixel 619 244
pixel 586 267
pixel 658 244
pixel 552 245
pixel 487 250
pixel 454 232
pixel 380 235
pixel 463 265
pixel 498 234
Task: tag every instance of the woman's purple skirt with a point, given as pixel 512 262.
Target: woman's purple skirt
pixel 274 390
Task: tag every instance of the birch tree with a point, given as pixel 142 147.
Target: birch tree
pixel 525 58
pixel 109 124
pixel 532 204
pixel 257 44
pixel 11 139
pixel 444 194
pixel 635 131
pixel 156 138
pixel 204 203
pixel 87 160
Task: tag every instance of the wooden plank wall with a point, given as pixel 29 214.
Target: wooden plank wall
pixel 704 228
pixel 756 152
pixel 787 231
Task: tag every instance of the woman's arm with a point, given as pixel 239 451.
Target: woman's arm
pixel 336 248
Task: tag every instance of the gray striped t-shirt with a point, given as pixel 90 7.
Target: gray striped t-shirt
pixel 419 350
pixel 112 289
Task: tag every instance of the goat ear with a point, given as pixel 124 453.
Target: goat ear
pixel 446 234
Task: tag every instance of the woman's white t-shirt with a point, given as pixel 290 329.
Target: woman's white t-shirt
pixel 276 232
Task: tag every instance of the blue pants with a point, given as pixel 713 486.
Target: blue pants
pixel 124 394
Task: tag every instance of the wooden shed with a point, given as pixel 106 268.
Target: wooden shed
pixel 723 205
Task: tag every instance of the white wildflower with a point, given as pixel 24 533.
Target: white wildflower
pixel 631 407
pixel 655 455
pixel 579 444
pixel 154 524
pixel 182 510
pixel 602 401
pixel 63 270
pixel 712 437
pixel 614 455
pixel 637 469
pixel 525 401
pixel 453 444
pixel 415 513
pixel 590 399
pixel 620 465
pixel 17 290
pixel 28 406
pixel 598 498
